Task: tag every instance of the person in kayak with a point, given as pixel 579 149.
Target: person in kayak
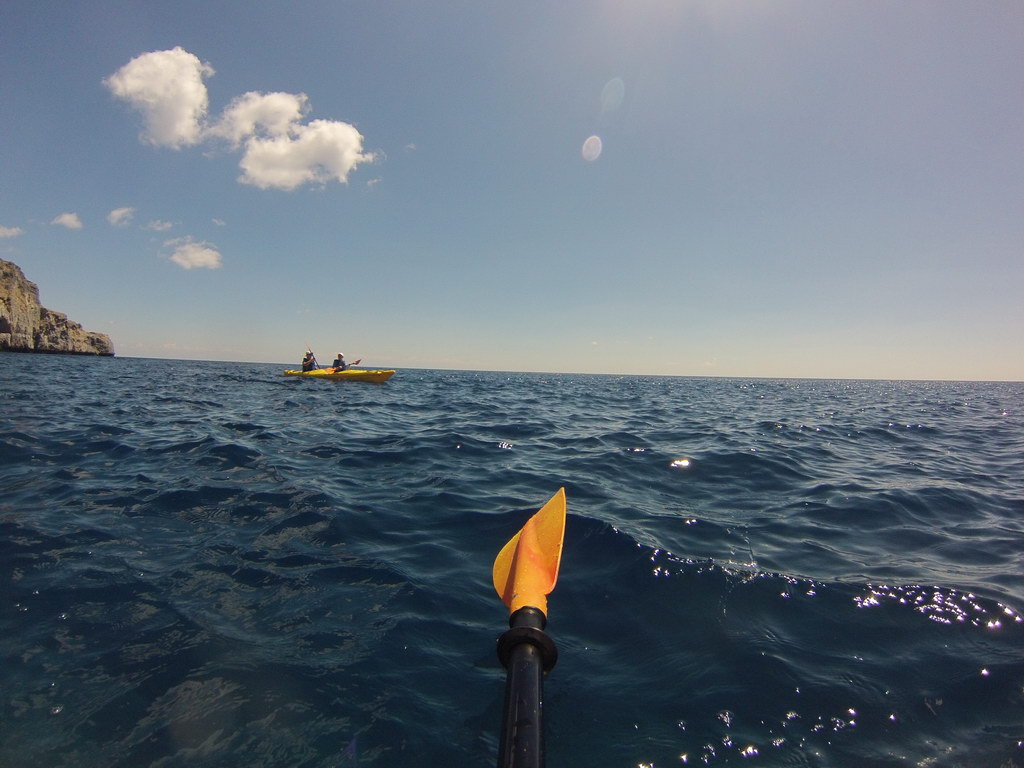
pixel 309 362
pixel 339 363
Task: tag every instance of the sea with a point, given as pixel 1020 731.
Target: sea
pixel 212 564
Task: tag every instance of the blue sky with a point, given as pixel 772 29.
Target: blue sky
pixel 783 187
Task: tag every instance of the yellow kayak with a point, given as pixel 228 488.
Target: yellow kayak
pixel 374 376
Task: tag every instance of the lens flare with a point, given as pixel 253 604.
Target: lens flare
pixel 612 94
pixel 592 149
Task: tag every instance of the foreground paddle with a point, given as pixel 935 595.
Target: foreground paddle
pixel 525 572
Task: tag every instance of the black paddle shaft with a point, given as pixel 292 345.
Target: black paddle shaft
pixel 527 653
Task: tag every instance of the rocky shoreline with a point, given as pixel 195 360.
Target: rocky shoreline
pixel 27 326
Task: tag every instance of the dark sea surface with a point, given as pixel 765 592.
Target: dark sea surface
pixel 209 564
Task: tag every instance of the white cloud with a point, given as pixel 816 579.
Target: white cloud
pixel 159 226
pixel 319 152
pixel 69 220
pixel 188 254
pixel 121 217
pixel 280 151
pixel 219 222
pixel 11 231
pixel 260 114
pixel 167 88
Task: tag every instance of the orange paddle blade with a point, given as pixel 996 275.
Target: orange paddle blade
pixel 526 569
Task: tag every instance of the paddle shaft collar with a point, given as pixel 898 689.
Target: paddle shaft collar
pixel 527 653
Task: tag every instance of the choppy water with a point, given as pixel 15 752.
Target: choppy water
pixel 210 564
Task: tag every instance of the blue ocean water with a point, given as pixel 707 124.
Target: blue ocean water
pixel 211 564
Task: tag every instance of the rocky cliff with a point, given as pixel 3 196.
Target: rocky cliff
pixel 26 326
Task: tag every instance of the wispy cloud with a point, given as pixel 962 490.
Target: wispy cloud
pixel 279 149
pixel 11 231
pixel 69 220
pixel 121 217
pixel 219 222
pixel 189 254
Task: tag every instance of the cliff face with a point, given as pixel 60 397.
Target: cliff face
pixel 26 326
